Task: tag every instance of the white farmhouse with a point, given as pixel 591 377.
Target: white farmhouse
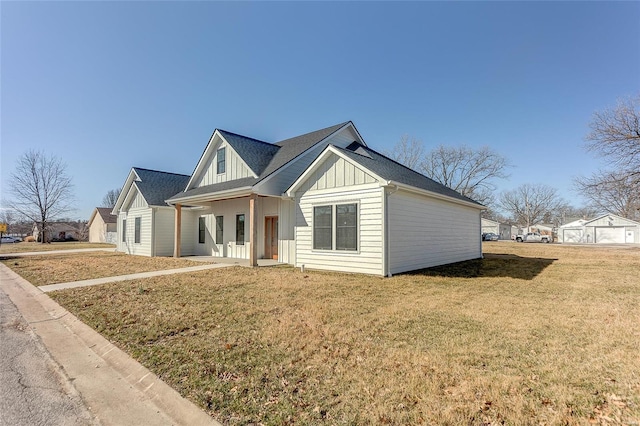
pixel 323 199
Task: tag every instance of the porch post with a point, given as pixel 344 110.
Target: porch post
pixel 253 231
pixel 177 231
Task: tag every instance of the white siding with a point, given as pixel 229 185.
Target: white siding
pixel 286 232
pixel 164 229
pixel 368 258
pixel 97 230
pixel 235 168
pixel 130 246
pixel 426 232
pixel 277 183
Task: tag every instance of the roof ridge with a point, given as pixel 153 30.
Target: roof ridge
pixel 337 126
pixel 158 171
pixel 247 137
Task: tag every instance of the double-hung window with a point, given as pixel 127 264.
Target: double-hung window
pixel 138 225
pixel 240 229
pixel 201 230
pixel 335 227
pixel 219 229
pixel 221 161
pixel 124 230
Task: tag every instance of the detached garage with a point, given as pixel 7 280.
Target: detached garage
pixel 606 229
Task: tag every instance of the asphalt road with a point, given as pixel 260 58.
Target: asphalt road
pixel 33 389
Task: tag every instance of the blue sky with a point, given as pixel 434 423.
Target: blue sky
pixel 111 85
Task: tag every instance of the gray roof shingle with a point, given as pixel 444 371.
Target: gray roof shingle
pixel 216 187
pixel 388 169
pixel 105 214
pixel 257 154
pixel 157 186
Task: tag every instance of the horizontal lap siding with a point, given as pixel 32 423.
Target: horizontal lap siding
pixel 144 247
pixel 164 224
pixel 368 258
pixel 426 232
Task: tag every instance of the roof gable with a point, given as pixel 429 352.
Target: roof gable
pixel 153 185
pixel 610 220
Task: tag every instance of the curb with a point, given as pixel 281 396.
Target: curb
pixel 117 389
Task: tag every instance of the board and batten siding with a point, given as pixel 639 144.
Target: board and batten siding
pixel 279 182
pixel 425 232
pixel 235 168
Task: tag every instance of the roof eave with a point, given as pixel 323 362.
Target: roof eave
pixel 212 196
pixel 414 189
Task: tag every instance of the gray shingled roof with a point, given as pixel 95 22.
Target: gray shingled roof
pixel 292 147
pixel 257 154
pixel 262 157
pixel 105 214
pixel 157 186
pixel 216 187
pixel 388 169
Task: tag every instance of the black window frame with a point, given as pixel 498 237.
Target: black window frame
pixel 240 229
pixel 344 228
pixel 219 229
pixel 221 160
pixel 137 234
pixel 202 229
pixel 319 241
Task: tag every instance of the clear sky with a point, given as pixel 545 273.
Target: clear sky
pixel 111 85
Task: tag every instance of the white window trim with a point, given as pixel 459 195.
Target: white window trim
pixel 334 228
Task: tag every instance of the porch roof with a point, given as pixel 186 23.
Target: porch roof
pixel 213 190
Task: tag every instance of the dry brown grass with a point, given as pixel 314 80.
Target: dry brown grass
pixel 24 247
pixel 59 268
pixel 532 334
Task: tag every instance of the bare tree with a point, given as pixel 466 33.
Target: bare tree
pixel 408 151
pixel 110 198
pixel 612 192
pixel 615 136
pixel 40 189
pixel 529 204
pixel 471 172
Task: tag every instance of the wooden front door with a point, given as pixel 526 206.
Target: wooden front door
pixel 271 237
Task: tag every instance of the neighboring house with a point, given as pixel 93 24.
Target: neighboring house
pixel 501 229
pixel 323 200
pixel 103 226
pixel 62 231
pixel 605 229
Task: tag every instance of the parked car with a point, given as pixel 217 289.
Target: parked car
pixel 533 237
pixel 490 236
pixel 10 240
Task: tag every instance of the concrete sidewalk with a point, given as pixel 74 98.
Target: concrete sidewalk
pixel 97 281
pixel 40 253
pixel 116 389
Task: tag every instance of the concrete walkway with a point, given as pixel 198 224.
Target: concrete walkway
pixel 98 281
pixel 116 389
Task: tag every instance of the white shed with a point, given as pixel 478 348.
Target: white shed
pixel 501 229
pixel 605 229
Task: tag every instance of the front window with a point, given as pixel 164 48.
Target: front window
pixel 240 229
pixel 322 228
pixel 221 156
pixel 219 229
pixel 138 225
pixel 201 230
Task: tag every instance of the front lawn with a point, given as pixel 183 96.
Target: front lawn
pixel 532 334
pixel 59 268
pixel 25 247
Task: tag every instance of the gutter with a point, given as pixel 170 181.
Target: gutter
pixel 213 196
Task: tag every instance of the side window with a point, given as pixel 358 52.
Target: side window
pixel 322 228
pixel 240 229
pixel 138 225
pixel 219 229
pixel 201 230
pixel 124 230
pixel 222 161
pixel 347 227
